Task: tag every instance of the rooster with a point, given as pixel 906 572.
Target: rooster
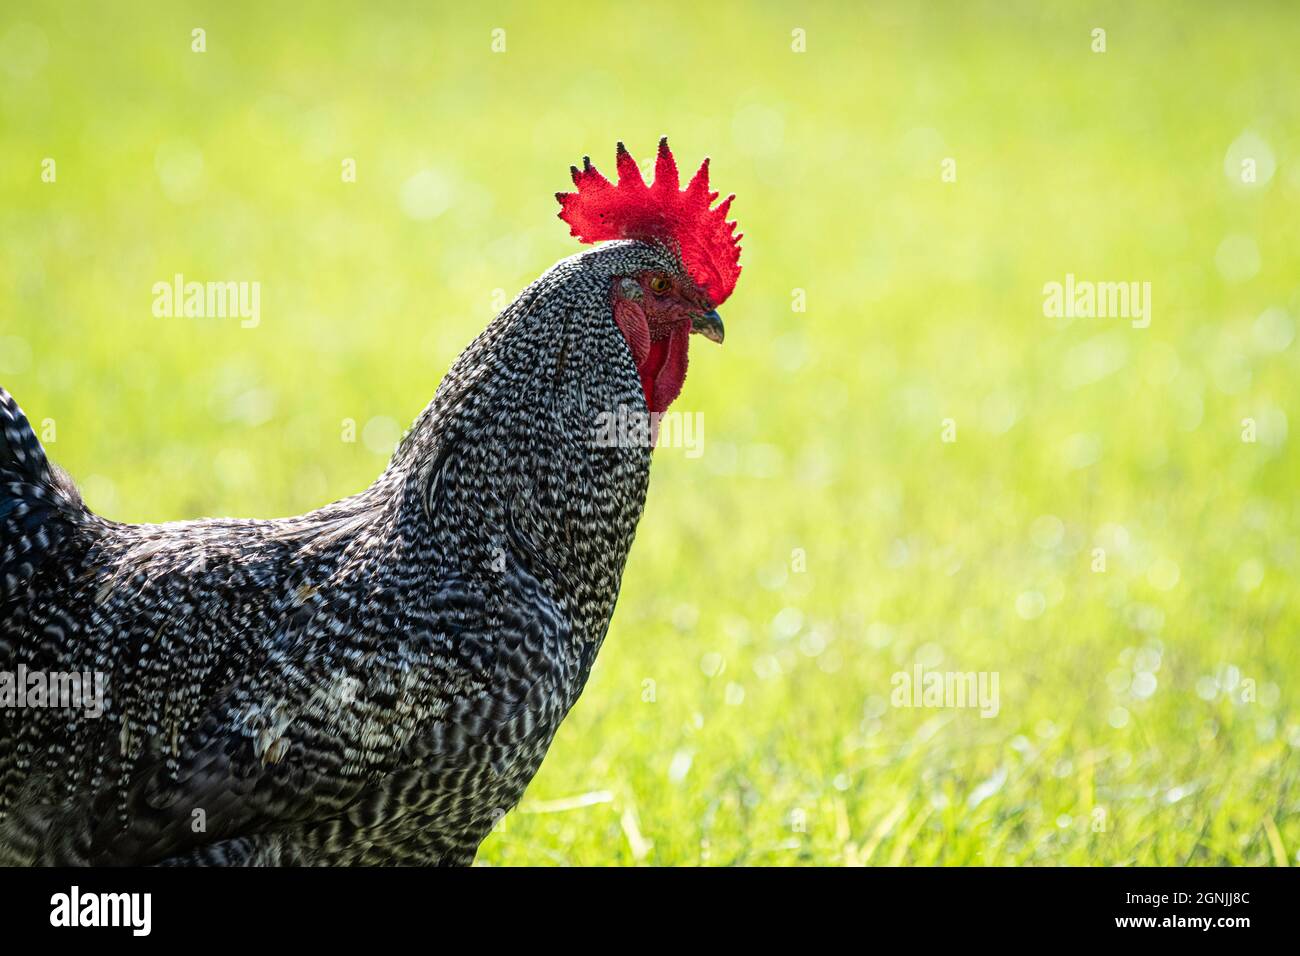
pixel 375 682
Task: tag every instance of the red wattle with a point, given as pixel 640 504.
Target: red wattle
pixel 671 374
pixel 661 365
pixel 649 370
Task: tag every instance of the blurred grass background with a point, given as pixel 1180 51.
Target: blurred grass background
pixel 740 710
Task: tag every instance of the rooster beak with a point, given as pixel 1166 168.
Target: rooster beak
pixel 709 325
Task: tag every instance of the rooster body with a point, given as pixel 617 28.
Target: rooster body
pixel 376 681
pixel 373 682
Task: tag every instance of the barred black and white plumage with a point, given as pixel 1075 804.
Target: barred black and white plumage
pixel 373 682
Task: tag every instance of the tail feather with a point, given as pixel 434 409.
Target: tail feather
pixel 20 449
pixel 39 504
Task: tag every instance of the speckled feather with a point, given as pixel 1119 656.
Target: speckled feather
pixel 373 682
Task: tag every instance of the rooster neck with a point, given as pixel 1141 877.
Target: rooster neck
pixel 506 462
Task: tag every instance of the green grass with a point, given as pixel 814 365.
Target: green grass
pixel 766 735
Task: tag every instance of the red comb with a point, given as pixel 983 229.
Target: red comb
pixel 660 212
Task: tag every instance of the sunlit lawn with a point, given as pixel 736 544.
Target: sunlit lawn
pixel 829 537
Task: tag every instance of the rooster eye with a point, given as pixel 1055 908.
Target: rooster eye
pixel 659 285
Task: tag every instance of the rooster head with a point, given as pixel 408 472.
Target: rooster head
pixel 658 308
